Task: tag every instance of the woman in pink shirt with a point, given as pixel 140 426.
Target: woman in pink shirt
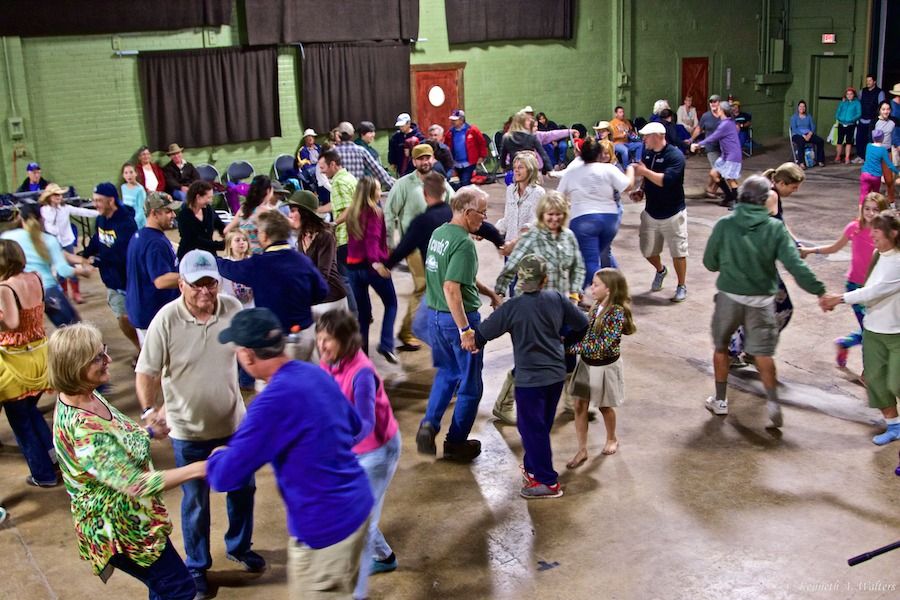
pixel 366 246
pixel 859 233
pixel 378 441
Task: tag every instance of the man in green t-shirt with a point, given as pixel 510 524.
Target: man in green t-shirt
pixel 451 292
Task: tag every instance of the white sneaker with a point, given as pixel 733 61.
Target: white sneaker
pixel 774 410
pixel 716 406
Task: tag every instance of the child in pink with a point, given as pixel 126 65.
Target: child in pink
pixel 859 233
pixel 378 442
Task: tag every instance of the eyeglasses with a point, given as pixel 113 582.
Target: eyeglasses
pixel 209 286
pixel 102 356
pixel 483 213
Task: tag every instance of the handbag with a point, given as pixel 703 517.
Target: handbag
pixel 832 134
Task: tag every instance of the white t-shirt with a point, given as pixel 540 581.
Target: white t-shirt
pixel 150 180
pixel 590 189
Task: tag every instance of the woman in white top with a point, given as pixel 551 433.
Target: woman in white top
pixel 55 214
pixel 881 325
pixel 522 196
pixel 687 115
pixel 593 191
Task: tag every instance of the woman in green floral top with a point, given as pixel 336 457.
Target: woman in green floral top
pixel 120 519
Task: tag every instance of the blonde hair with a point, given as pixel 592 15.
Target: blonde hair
pixel 520 122
pixel 232 235
pixel 618 295
pixel 552 201
pixel 71 351
pixel 609 149
pixel 33 224
pixel 786 173
pixel 529 161
pixel 880 202
pixel 365 200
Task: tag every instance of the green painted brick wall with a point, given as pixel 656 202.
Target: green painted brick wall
pixel 83 118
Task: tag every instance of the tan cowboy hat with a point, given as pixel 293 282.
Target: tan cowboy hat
pixel 895 90
pixel 51 190
pixel 174 149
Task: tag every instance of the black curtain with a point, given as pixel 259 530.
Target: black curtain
pixel 471 21
pixel 368 81
pixel 209 97
pixel 70 17
pixel 303 21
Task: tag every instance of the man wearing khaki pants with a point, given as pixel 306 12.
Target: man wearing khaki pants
pixel 405 202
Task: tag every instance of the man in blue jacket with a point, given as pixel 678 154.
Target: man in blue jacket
pixel 303 425
pixel 399 155
pixel 108 250
pixel 283 280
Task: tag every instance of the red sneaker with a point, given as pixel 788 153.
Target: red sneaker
pixel 537 490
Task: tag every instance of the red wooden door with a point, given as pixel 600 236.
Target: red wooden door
pixel 695 81
pixel 437 91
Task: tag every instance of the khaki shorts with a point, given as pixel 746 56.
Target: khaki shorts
pixel 655 233
pixel 760 326
pixel 116 301
pixel 329 572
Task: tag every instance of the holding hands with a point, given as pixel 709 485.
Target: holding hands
pixel 827 302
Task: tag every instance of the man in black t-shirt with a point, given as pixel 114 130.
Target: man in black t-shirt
pixel 664 220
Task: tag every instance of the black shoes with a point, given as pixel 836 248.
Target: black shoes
pixel 465 451
pixel 389 356
pixel 425 439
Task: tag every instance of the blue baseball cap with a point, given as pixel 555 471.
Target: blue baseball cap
pixel 107 189
pixel 32 166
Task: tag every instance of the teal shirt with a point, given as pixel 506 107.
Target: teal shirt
pixel 848 112
pixel 35 264
pixel 451 257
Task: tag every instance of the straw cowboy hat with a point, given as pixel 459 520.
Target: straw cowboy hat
pixel 174 149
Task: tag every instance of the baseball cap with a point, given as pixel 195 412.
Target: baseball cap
pixel 715 98
pixel 531 272
pixel 457 115
pixel 422 150
pixel 33 167
pixel 651 128
pixel 345 127
pixel 278 188
pixel 197 264
pixel 253 328
pixel 107 189
pixel 403 119
pixel 158 200
pixel 309 132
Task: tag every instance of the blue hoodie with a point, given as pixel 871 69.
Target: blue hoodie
pixel 110 245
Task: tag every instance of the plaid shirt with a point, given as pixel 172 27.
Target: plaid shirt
pixel 343 186
pixel 356 159
pixel 565 267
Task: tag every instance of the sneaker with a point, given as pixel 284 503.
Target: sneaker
pixel 465 451
pixel 680 294
pixel 410 344
pixel 202 585
pixel 774 410
pixel 820 164
pixel 841 357
pixel 537 490
pixel 857 161
pixel 389 356
pixel 385 565
pixel 716 406
pixel 738 362
pixel 425 439
pixel 658 279
pixel 42 484
pixel 250 560
pixel 892 433
pixel 527 477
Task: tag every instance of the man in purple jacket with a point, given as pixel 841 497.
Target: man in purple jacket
pixel 303 425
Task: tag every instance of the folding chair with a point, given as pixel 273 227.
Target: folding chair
pixel 238 171
pixel 210 174
pixel 282 167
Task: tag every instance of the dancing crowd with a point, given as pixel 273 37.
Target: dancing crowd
pixel 286 310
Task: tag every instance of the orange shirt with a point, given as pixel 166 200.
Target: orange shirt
pixel 620 128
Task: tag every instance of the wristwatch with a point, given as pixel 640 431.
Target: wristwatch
pixel 465 330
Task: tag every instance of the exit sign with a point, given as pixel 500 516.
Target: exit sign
pixel 828 38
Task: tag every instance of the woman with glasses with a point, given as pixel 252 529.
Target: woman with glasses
pixel 23 362
pixel 116 494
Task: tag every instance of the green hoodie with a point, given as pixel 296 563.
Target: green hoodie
pixel 743 248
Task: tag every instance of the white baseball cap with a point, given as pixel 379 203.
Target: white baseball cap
pixel 403 119
pixel 197 264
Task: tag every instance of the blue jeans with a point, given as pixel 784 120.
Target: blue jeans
pixel 341 254
pixel 167 578
pixel 58 308
pixel 535 411
pixel 558 152
pixel 380 466
pixel 421 321
pixel 195 508
pixel 595 234
pixel 33 437
pixel 465 175
pixel 361 279
pixel 457 371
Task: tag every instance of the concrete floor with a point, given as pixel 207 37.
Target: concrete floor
pixel 692 506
